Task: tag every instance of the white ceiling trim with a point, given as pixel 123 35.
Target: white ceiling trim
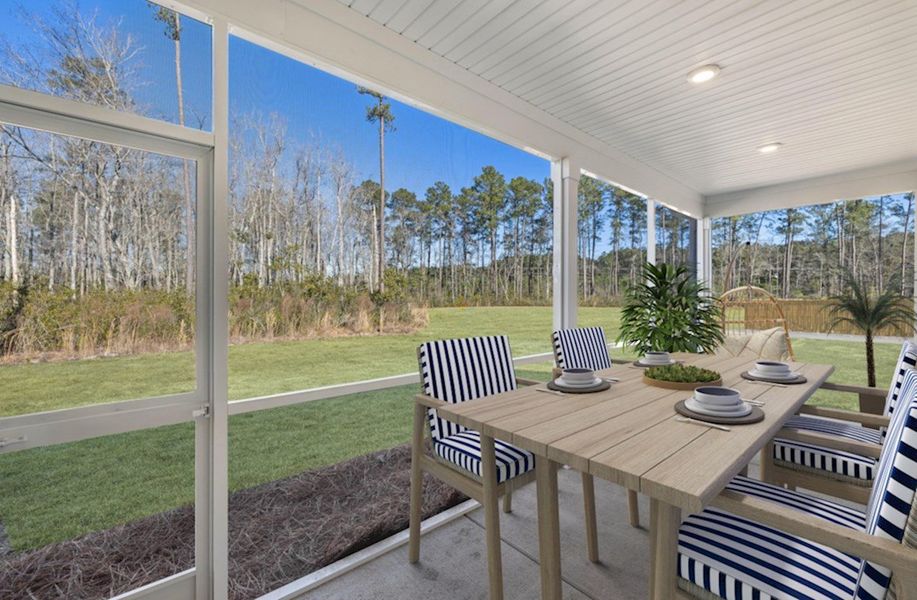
pixel 337 38
pixel 894 178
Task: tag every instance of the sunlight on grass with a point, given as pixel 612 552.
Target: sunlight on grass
pixel 57 493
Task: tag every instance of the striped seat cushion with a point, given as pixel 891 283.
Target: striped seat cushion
pixel 846 466
pixel 464 369
pixel 844 429
pixel 737 559
pixel 893 494
pixel 581 348
pixel 464 450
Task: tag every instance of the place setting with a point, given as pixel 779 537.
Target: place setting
pixel 773 372
pixel 719 406
pixel 579 381
pixel 655 359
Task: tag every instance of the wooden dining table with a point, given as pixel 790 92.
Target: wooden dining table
pixel 629 435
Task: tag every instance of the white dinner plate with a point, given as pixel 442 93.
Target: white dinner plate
pixel 563 382
pixel 757 373
pixel 740 410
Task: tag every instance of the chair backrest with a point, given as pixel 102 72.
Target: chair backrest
pixel 907 361
pixel 463 369
pixel 581 348
pixel 893 492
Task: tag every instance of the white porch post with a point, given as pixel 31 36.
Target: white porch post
pixel 704 252
pixel 212 461
pixel 651 231
pixel 565 174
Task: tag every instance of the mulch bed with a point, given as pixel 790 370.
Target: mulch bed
pixel 278 532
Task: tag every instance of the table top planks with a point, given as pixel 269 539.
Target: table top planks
pixel 628 434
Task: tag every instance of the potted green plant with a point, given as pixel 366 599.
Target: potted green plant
pixel 670 311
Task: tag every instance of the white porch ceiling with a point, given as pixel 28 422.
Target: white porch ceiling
pixel 834 81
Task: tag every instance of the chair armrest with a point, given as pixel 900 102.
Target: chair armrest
pixel 429 401
pixel 895 556
pixel 830 441
pixel 524 381
pixel 845 415
pixel 854 389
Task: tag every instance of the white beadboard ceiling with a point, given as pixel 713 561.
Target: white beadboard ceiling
pixel 834 81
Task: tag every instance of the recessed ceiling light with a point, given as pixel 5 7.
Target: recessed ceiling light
pixel 702 74
pixel 770 148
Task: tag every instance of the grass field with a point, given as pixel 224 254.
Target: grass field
pixel 56 493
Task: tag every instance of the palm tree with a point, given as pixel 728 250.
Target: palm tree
pixel 869 313
pixel 381 113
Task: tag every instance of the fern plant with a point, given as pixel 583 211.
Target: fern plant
pixel 669 311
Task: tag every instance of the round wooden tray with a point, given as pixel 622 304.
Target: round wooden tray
pixel 756 415
pixel 601 387
pixel 679 385
pixel 799 379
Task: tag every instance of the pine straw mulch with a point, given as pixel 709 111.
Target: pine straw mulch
pixel 278 532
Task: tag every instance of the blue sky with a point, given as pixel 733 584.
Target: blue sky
pixel 313 104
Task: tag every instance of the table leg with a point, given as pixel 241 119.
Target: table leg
pixel 492 518
pixel 665 520
pixel 548 528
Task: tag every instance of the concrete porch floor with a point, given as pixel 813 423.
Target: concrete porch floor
pixel 453 557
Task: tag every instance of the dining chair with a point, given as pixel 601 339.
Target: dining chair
pixel 586 348
pixel 757 540
pixel 835 451
pixel 483 468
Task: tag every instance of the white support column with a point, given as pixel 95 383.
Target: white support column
pixel 704 252
pixel 565 175
pixel 651 231
pixel 212 461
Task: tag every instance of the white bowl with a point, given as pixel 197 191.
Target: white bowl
pixel 772 367
pixel 739 410
pixel 579 376
pixel 714 395
pixel 656 358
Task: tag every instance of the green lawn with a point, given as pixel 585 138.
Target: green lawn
pixel 56 493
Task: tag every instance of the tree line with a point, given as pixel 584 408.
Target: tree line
pixel 812 251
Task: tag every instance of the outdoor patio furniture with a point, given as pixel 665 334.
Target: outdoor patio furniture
pixel 759 540
pixel 453 372
pixel 835 451
pixel 628 435
pixel 586 348
pixel 754 324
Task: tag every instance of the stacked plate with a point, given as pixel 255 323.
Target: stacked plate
pixel 715 401
pixel 772 369
pixel 656 359
pixel 578 378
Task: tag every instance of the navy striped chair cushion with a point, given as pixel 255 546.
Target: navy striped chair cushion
pixel 848 465
pixel 893 493
pixel 581 348
pixel 464 369
pixel 464 450
pixel 907 361
pixel 737 559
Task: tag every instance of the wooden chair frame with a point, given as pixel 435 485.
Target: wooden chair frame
pixel 484 489
pixel 768 323
pixel 791 478
pixel 897 556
